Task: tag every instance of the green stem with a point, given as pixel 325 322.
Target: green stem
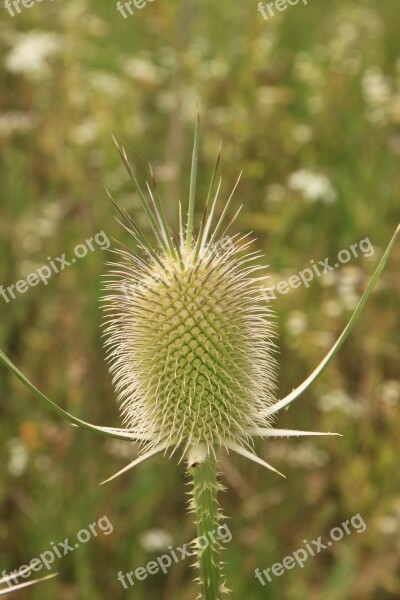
pixel 205 506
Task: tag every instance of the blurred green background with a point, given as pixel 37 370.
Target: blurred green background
pixel 308 105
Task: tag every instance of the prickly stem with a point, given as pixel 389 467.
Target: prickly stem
pixel 208 516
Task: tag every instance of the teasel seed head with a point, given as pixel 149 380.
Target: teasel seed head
pixel 191 345
pixel 189 334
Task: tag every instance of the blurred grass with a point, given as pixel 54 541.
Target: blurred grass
pixel 315 88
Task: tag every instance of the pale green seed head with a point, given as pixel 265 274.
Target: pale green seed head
pixel 189 335
pixel 191 346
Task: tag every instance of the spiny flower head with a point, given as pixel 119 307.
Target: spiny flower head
pixel 190 345
pixel 189 335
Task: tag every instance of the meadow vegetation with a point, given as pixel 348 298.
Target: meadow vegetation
pixel 312 93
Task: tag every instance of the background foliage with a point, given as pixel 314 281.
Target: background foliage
pixel 316 88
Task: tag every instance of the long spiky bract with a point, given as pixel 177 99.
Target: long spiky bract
pixel 12 587
pixel 190 344
pixel 193 181
pixel 203 221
